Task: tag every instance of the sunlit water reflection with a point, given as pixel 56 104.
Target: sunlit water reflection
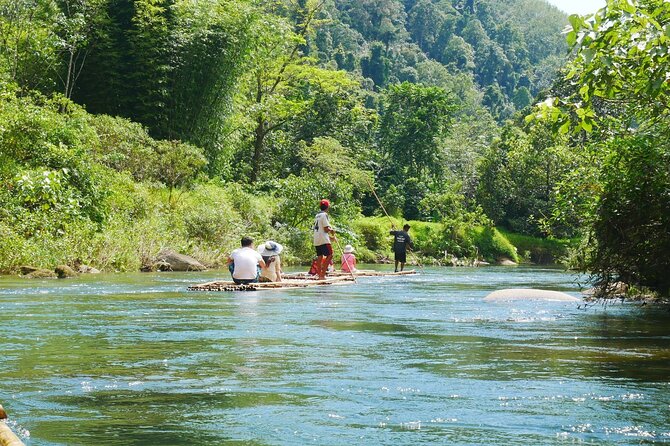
pixel 137 360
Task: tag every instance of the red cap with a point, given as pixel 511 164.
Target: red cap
pixel 326 202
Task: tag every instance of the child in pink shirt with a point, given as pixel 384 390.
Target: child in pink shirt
pixel 348 260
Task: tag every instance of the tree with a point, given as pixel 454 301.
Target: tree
pixel 75 25
pixel 376 66
pixel 620 95
pixel 414 118
pixel 28 46
pixel 275 60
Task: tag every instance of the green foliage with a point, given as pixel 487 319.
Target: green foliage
pixel 519 176
pixel 492 245
pixel 631 226
pixel 414 117
pixel 617 92
pixel 299 199
pixel 541 251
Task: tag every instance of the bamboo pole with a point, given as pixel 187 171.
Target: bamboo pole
pixel 372 188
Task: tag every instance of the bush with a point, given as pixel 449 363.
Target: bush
pixel 492 245
pixel 542 251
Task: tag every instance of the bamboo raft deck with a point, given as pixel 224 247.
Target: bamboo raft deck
pixel 286 284
pixel 359 273
pixel 295 280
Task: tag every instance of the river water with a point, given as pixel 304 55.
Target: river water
pixel 132 359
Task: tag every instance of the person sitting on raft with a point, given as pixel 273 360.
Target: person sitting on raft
pixel 349 260
pixel 245 263
pixel 270 252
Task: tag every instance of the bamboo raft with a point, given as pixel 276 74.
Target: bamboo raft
pixel 358 273
pixel 286 284
pixel 295 280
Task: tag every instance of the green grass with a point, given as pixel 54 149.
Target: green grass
pixel 540 250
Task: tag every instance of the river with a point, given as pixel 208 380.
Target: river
pixel 135 359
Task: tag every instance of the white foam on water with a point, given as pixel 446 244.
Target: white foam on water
pixel 20 431
pixel 411 425
pixel 630 431
pixel 582 428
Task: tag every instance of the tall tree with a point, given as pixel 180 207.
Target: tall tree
pixel 276 59
pixel 621 95
pixel 414 118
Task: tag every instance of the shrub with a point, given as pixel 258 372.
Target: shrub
pixel 492 244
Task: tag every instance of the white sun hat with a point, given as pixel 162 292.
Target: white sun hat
pixel 348 249
pixel 270 248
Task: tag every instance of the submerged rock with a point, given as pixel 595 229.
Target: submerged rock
pixel 169 260
pixel 41 274
pixel 85 269
pixel 529 294
pixel 65 272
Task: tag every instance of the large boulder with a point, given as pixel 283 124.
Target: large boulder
pixel 529 294
pixel 26 269
pixel 503 261
pixel 85 269
pixel 41 274
pixel 169 260
pixel 65 272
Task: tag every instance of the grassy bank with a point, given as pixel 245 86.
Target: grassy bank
pixel 539 250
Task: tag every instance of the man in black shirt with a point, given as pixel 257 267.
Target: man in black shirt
pixel 401 241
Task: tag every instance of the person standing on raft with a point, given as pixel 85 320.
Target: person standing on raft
pixel 401 241
pixel 322 239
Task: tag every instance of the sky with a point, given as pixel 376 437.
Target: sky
pixel 578 6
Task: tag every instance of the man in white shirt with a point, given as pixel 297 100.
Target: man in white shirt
pixel 322 237
pixel 244 263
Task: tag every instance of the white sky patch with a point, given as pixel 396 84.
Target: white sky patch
pixel 578 6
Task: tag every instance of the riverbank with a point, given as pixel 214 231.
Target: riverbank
pixel 192 226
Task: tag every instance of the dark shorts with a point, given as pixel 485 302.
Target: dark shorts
pixel 324 250
pixel 401 257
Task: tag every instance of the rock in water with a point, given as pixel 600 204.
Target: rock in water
pixel 529 294
pixel 178 262
pixel 85 269
pixel 3 414
pixel 41 274
pixel 65 272
pixel 25 269
pixel 506 262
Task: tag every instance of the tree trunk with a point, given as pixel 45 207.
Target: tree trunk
pixel 259 138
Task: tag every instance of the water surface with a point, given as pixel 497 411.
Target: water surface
pixel 134 359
